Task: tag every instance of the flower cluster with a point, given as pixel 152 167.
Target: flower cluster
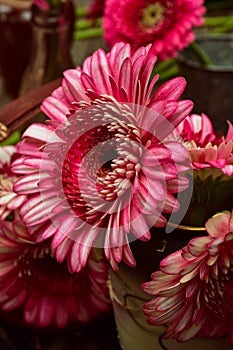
pixel 110 166
pixel 193 287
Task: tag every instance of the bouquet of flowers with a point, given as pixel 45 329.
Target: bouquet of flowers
pixel 121 158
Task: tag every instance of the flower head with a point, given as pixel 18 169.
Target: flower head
pixel 48 294
pixel 164 23
pixel 211 157
pixel 9 199
pixel 193 288
pixel 99 174
pixel 205 149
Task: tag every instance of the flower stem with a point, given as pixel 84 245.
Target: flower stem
pixel 88 33
pixel 81 12
pixel 220 24
pixel 13 139
pixel 161 66
pixel 218 20
pixel 186 228
pixel 227 27
pixel 82 24
pixel 169 73
pixel 200 54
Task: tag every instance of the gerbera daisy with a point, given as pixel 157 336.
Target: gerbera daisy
pixel 205 149
pixel 212 162
pixel 9 200
pixel 193 288
pixel 164 23
pixel 31 278
pixel 102 172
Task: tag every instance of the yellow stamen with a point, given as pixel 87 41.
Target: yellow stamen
pixel 152 14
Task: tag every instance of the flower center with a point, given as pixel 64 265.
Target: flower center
pixel 29 259
pixel 39 269
pixel 152 15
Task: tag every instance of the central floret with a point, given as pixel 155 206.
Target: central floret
pixel 152 15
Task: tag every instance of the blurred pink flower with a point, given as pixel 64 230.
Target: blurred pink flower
pixel 96 9
pixel 105 171
pixel 48 294
pixel 193 289
pixel 164 23
pixel 205 149
pixel 42 4
pixel 9 199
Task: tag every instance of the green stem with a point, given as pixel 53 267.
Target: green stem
pixel 81 12
pixel 216 21
pixel 227 27
pixel 82 24
pixel 161 66
pixel 13 139
pixel 169 73
pixel 88 34
pixel 200 54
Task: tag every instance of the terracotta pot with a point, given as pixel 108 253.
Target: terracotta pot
pixel 210 87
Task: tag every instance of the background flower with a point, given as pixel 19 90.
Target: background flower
pixel 9 199
pixel 96 9
pixel 164 23
pixel 206 150
pixel 211 157
pixel 48 294
pixel 42 4
pixel 193 288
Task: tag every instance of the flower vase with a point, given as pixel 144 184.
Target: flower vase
pixel 134 332
pixel 210 86
pixel 15 45
pixel 52 37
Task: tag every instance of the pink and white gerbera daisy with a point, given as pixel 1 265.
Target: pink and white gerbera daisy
pixel 164 23
pixel 32 279
pixel 193 289
pixel 205 149
pixel 99 174
pixel 9 199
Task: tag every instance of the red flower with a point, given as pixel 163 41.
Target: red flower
pixel 164 23
pixel 48 294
